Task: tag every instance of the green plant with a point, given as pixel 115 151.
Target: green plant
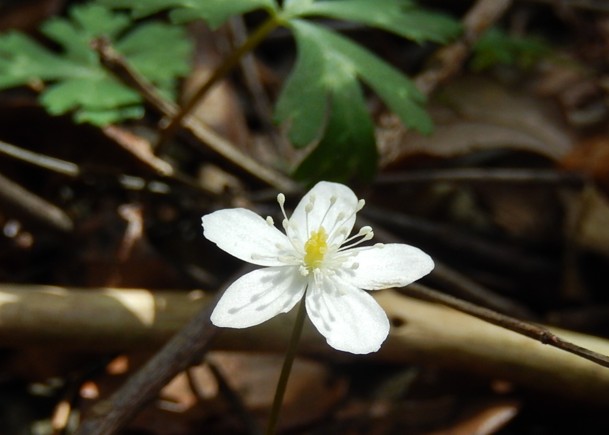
pixel 76 82
pixel 322 102
pixel 498 48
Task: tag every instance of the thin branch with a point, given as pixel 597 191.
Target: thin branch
pixel 43 161
pixel 187 346
pixel 451 237
pixel 485 176
pixel 591 5
pixel 462 285
pixel 260 99
pixel 451 278
pixel 29 206
pixel 115 63
pixel 139 148
pixel 536 332
pixel 228 64
pixel 70 169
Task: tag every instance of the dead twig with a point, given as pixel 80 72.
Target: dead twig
pixel 32 207
pixel 260 99
pixel 227 65
pixel 536 332
pixel 469 289
pixel 182 351
pixel 452 279
pixel 485 176
pixel 87 174
pixel 450 237
pixel 590 5
pixel 115 63
pixel 43 161
pixel 140 148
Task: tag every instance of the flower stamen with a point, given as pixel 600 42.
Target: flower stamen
pixel 342 217
pixel 365 233
pixel 308 209
pixel 332 202
pixel 281 201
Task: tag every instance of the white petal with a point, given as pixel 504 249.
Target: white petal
pixel 349 318
pixel 245 235
pixel 258 296
pixel 341 215
pixel 384 266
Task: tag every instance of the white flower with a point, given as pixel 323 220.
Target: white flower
pixel 316 256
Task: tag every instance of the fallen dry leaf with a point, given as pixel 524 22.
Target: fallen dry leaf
pixel 475 114
pixel 591 157
pixel 486 420
pixel 311 393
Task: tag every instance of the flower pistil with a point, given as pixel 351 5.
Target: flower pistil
pixel 316 248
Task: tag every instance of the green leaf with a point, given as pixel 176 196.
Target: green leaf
pixel 95 93
pixel 214 12
pixel 497 48
pixel 151 45
pixel 324 57
pixel 347 148
pixel 108 116
pixel 324 81
pixel 303 100
pixel 95 20
pixel 141 9
pixel 401 17
pixel 23 61
pixel 78 82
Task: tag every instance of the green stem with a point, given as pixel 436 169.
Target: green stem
pixel 220 72
pixel 287 367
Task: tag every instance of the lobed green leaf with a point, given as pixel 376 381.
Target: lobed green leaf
pixel 96 93
pixel 23 61
pixel 78 82
pixel 151 45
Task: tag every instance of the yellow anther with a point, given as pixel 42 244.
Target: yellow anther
pixel 315 248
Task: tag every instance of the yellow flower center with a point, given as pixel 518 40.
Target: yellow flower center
pixel 316 248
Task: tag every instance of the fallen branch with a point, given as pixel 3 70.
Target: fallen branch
pixel 422 333
pixel 185 349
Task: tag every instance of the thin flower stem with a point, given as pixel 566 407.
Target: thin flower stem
pixel 287 367
pixel 220 72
